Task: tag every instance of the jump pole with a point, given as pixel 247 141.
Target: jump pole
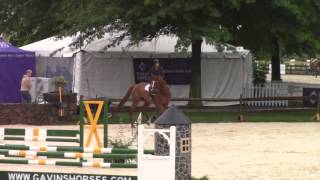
pixel 49 132
pixel 72 149
pixel 68 163
pixel 38 134
pixel 46 139
pixel 70 155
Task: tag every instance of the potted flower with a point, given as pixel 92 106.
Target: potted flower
pixel 54 97
pixel 60 82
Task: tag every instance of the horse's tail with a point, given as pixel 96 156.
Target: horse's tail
pixel 125 98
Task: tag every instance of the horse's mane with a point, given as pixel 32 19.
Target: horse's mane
pixel 163 87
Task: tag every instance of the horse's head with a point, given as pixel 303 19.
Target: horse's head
pixel 158 85
pixel 158 79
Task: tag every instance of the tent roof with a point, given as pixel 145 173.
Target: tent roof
pixel 61 46
pixel 165 44
pixel 52 46
pixel 6 48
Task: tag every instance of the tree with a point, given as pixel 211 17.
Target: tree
pixel 24 21
pixel 192 21
pixel 273 28
pixel 140 20
pixel 269 28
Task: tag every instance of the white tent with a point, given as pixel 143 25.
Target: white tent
pixel 60 47
pixel 109 72
pixel 162 44
pixel 52 47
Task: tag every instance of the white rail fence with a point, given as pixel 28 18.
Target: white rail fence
pixel 153 167
pixel 266 90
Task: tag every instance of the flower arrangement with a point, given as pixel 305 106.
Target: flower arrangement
pixel 60 81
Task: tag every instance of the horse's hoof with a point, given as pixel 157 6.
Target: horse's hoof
pixel 133 125
pixel 148 122
pixel 153 118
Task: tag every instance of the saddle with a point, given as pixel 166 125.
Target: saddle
pixel 149 88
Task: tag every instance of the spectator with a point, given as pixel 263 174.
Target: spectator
pixel 25 87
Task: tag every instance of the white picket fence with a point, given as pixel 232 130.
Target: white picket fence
pixel 268 90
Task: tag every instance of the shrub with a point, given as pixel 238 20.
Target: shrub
pixel 259 74
pixel 202 178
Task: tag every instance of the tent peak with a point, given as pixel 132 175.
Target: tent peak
pixel 7 49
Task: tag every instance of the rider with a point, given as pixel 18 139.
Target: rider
pixel 156 70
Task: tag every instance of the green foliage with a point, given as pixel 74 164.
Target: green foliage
pixel 259 74
pixel 60 81
pixel 137 20
pixel 27 21
pixel 294 24
pixel 217 116
pixel 269 28
pixel 251 23
pixel 275 28
pixel 202 178
pixel 119 143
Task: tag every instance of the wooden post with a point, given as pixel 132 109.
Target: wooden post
pixel 241 117
pixel 105 123
pixel 60 103
pixel 81 123
pixel 318 108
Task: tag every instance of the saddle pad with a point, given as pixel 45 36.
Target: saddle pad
pixel 147 87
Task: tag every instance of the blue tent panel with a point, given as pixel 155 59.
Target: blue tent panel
pixel 13 64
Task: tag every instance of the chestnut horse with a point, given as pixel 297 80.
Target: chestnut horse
pixel 160 97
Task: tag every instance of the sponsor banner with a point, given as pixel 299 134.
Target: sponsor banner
pixel 177 70
pixel 4 175
pixel 313 94
pixel 16 55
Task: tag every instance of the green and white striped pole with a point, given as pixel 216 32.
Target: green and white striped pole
pixel 14 138
pixel 72 149
pixel 71 155
pixel 66 163
pixel 38 134
pixel 49 132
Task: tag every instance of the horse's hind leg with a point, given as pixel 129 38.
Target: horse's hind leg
pixel 161 109
pixel 131 111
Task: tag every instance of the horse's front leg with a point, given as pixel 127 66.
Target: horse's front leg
pixel 160 108
pixel 144 111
